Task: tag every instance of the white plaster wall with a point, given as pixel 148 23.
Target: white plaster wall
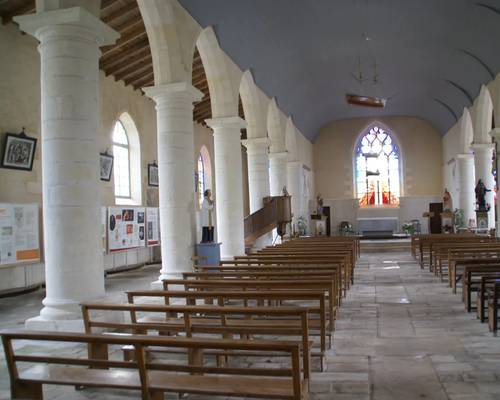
pixel 451 147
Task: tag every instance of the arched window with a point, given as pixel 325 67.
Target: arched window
pixel 377 169
pixel 121 153
pixel 201 179
pixel 203 173
pixel 127 161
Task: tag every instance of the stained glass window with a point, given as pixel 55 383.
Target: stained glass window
pixel 377 169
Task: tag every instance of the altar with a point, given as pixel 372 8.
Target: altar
pixel 378 226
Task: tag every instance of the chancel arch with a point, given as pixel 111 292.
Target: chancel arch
pixel 377 167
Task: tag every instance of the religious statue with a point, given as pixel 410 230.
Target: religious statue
pixel 284 192
pixel 319 205
pixel 480 196
pixel 447 201
pixel 207 207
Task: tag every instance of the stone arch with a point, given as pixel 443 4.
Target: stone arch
pixel 172 36
pixel 291 140
pixel 466 133
pixel 276 127
pixel 252 106
pixel 482 113
pixel 223 94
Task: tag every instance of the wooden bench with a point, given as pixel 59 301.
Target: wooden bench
pixel 227 322
pixel 247 284
pixel 457 266
pixel 153 379
pixel 493 308
pixel 485 291
pixel 472 280
pixel 314 300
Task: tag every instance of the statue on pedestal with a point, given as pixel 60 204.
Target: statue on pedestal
pixel 207 207
pixel 480 196
pixel 319 205
pixel 447 201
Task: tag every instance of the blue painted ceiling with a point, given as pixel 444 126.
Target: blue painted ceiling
pixel 432 55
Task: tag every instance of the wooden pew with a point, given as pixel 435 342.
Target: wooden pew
pixel 153 379
pixel 472 280
pixel 445 253
pixel 485 291
pixel 227 321
pixel 457 267
pixel 318 313
pixel 493 308
pixel 246 284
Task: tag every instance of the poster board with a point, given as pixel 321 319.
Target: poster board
pixel 126 228
pixel 153 226
pixel 104 230
pixel 19 233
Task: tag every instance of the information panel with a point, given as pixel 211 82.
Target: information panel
pixel 153 226
pixel 19 235
pixel 126 228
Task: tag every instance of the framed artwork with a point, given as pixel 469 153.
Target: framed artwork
pixel 18 151
pixel 106 166
pixel 153 174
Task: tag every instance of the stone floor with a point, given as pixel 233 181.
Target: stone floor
pixel 401 335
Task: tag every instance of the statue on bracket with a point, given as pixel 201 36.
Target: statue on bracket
pixel 480 196
pixel 447 201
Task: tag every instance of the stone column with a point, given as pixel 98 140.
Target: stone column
pixel 483 154
pixel 69 50
pixel 466 186
pixel 174 116
pixel 277 172
pixel 258 179
pixel 228 175
pixel 495 134
pixel 294 170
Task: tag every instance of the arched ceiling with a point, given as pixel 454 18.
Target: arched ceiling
pixel 432 55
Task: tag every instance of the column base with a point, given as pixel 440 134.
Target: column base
pixel 158 284
pixel 41 323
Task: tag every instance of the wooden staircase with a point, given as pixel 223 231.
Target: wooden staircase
pixel 276 213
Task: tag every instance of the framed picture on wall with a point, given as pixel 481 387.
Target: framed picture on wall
pixel 153 174
pixel 18 151
pixel 106 166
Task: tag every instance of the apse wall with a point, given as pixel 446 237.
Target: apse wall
pixel 421 154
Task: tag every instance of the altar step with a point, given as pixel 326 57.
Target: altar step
pixel 396 245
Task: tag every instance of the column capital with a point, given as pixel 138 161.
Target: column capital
pixel 255 145
pixel 482 146
pixel 465 156
pixel 292 164
pixel 278 156
pixel 35 24
pixel 226 122
pixel 495 133
pixel 169 91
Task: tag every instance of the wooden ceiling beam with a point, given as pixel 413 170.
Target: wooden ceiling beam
pixel 26 8
pixel 139 81
pixel 136 74
pixel 146 62
pixel 131 36
pixel 125 60
pixel 111 59
pixel 120 12
pixel 107 3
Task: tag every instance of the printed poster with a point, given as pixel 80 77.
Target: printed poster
pixel 126 228
pixel 153 226
pixel 19 235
